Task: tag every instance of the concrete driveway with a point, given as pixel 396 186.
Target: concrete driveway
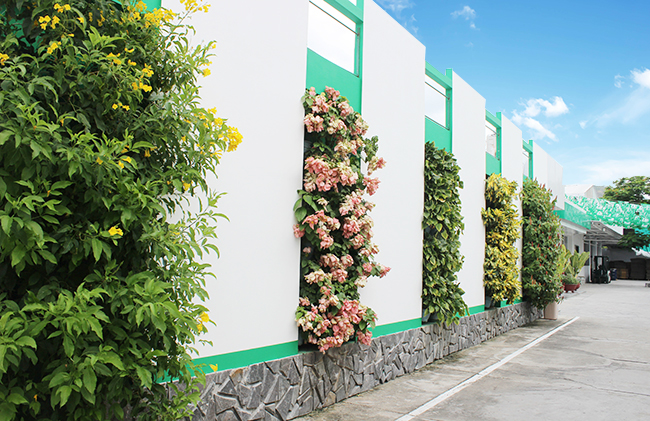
pixel 593 363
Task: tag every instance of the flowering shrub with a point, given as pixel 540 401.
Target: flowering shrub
pixel 541 269
pixel 501 275
pixel 442 297
pixel 101 140
pixel 334 224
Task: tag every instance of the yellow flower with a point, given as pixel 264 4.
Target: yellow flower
pixel 214 367
pixel 3 58
pixel 80 19
pixel 120 164
pixel 115 231
pixel 186 186
pixel 199 326
pixel 43 21
pixel 117 61
pixel 147 71
pixel 53 47
pixel 212 110
pixel 145 88
pixel 131 63
pixel 129 51
pixel 55 21
pixel 99 161
pixel 147 153
pixel 126 158
pixel 204 317
pixel 206 72
pixel 115 106
pixel 126 107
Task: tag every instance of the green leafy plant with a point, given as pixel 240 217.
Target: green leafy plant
pixel 501 275
pixel 102 140
pixel 542 238
pixel 442 223
pixel 570 264
pixel 334 222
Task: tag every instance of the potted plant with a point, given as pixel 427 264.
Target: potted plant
pixel 571 283
pixel 573 264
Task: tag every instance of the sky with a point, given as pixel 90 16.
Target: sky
pixel 573 75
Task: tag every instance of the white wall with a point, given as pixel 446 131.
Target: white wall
pixel 258 77
pixel 468 145
pixel 511 152
pixel 393 106
pixel 548 172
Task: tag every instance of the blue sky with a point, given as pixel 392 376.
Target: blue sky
pixel 573 75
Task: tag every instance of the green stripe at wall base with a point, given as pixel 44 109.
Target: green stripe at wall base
pixel 247 357
pixel 396 327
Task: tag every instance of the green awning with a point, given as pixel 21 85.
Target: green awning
pixel 620 214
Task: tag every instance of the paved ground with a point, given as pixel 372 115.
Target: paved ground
pixel 594 365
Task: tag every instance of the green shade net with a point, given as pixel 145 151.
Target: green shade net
pixel 620 214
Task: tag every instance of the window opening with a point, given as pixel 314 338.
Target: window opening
pixel 332 35
pixel 435 101
pixel 525 163
pixel 491 139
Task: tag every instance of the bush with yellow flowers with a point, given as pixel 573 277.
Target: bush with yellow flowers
pixel 502 229
pixel 102 140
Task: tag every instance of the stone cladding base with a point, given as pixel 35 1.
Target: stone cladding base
pixel 294 386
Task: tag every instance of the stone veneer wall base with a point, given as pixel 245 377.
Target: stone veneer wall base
pixel 294 386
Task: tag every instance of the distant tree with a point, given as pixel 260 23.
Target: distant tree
pixel 629 189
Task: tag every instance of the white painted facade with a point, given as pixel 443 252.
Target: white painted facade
pixel 393 107
pixel 468 146
pixel 549 173
pixel 258 77
pixel 511 146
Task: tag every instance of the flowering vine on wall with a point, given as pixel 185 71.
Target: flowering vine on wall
pixel 338 253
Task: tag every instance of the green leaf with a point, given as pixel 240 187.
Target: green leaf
pixel 26 341
pixel 89 379
pixel 17 255
pixel 97 248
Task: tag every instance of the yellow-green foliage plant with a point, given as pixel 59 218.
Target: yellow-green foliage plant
pixel 442 222
pixel 542 256
pixel 501 274
pixel 102 138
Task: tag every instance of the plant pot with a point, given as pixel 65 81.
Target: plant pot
pixel 551 311
pixel 571 287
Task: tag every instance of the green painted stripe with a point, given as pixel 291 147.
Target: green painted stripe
pixel 390 328
pixel 348 9
pixel 436 75
pixel 434 132
pixel 528 146
pixel 495 121
pixel 492 165
pixel 476 309
pixel 322 72
pixel 247 357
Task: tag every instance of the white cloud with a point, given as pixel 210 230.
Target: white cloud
pixel 635 105
pixel 539 132
pixel 606 171
pixel 396 5
pixel 618 81
pixel 583 124
pixel 471 25
pixel 466 12
pixel 641 77
pixel 551 109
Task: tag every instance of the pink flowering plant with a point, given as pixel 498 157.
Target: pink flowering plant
pixel 334 224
